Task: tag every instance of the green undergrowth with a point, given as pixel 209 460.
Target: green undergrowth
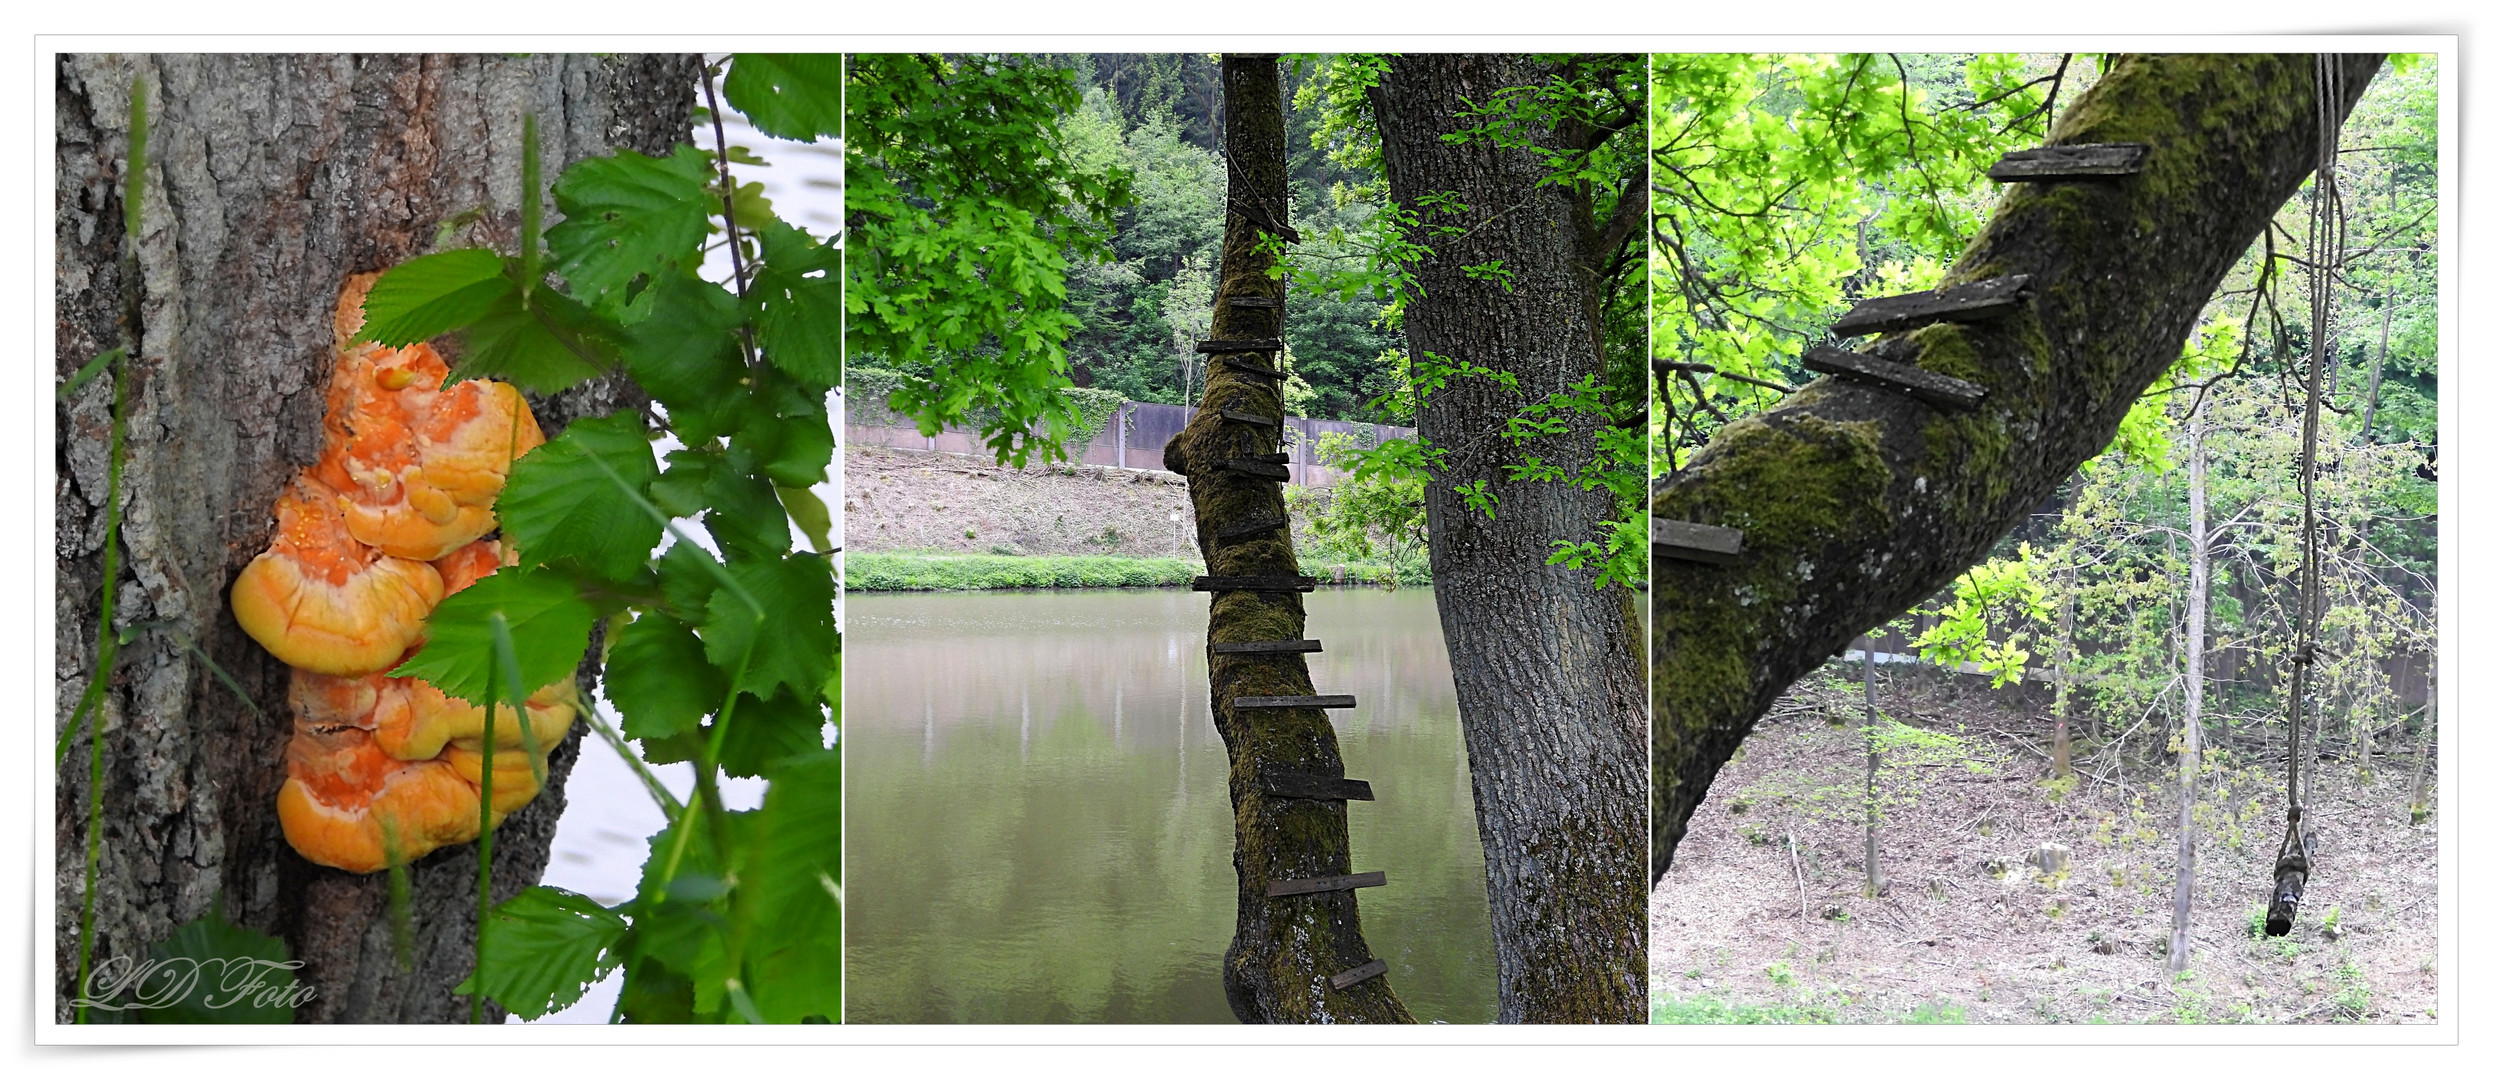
pixel 1702 1009
pixel 907 571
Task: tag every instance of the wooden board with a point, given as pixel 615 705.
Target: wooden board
pixel 1945 391
pixel 2078 161
pixel 1336 883
pixel 1250 418
pixel 1960 303
pixel 1296 701
pixel 1305 645
pixel 1220 583
pixel 1250 528
pixel 1694 542
pixel 1255 301
pixel 1257 468
pixel 1290 784
pixel 1360 974
pixel 1239 345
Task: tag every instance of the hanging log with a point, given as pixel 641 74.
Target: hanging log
pixel 1696 543
pixel 1945 391
pixel 1290 784
pixel 1336 883
pixel 2082 161
pixel 1971 301
pixel 1360 974
pixel 1239 345
pixel 1295 701
pixel 1308 645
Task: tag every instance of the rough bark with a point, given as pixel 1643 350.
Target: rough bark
pixel 1856 503
pixel 273 178
pixel 1286 950
pixel 1545 665
pixel 2193 699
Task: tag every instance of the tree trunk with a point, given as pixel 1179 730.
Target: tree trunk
pixel 1287 949
pixel 2193 698
pixel 2060 673
pixel 1545 671
pixel 1856 502
pixel 273 178
pixel 1873 878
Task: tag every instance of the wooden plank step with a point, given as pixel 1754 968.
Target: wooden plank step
pixel 1245 368
pixel 1360 974
pixel 1250 418
pixel 1988 299
pixel 1696 543
pixel 1255 301
pixel 1249 528
pixel 1306 645
pixel 1296 701
pixel 1336 883
pixel 1290 784
pixel 1284 583
pixel 1944 391
pixel 1257 468
pixel 1264 221
pixel 1239 345
pixel 2077 161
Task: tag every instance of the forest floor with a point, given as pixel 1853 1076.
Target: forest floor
pixel 1761 917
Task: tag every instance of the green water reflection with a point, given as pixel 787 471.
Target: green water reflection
pixel 1038 810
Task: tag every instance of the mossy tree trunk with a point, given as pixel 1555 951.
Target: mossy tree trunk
pixel 1856 503
pixel 1287 949
pixel 273 178
pixel 1545 665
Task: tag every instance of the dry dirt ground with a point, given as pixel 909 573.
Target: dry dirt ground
pixel 1761 917
pixel 920 500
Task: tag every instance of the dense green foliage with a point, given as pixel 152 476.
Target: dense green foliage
pixel 968 207
pixel 725 656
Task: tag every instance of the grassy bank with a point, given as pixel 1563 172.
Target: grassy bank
pixel 900 571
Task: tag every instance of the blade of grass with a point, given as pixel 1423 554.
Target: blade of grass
pixel 716 570
pixel 657 791
pixel 508 656
pixel 88 373
pixel 484 845
pixel 133 199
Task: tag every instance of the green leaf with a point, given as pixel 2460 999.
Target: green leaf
pixel 787 438
pixel 560 508
pixel 795 302
pixel 548 344
pixel 214 973
pixel 434 295
pixel 549 623
pixel 549 945
pixel 794 644
pixel 762 733
pixel 684 353
pixel 657 676
pixel 787 95
pixel 629 215
pixel 792 865
pixel 687 576
pixel 810 514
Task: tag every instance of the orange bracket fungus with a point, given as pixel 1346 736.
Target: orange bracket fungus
pixel 390 519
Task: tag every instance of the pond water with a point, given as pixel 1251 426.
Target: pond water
pixel 1038 813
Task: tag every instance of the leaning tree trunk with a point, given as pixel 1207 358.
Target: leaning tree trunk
pixel 1298 957
pixel 1856 502
pixel 1545 671
pixel 272 179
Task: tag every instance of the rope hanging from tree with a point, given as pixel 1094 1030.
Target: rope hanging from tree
pixel 2327 242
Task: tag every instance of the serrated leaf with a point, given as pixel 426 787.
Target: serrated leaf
pixel 625 215
pixel 684 353
pixel 794 852
pixel 549 624
pixel 658 677
pixel 787 437
pixel 787 95
pixel 744 517
pixel 545 948
pixel 794 643
pixel 795 301
pixel 221 961
pixel 686 578
pixel 538 345
pixel 762 733
pixel 560 508
pixel 426 297
pixel 807 510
